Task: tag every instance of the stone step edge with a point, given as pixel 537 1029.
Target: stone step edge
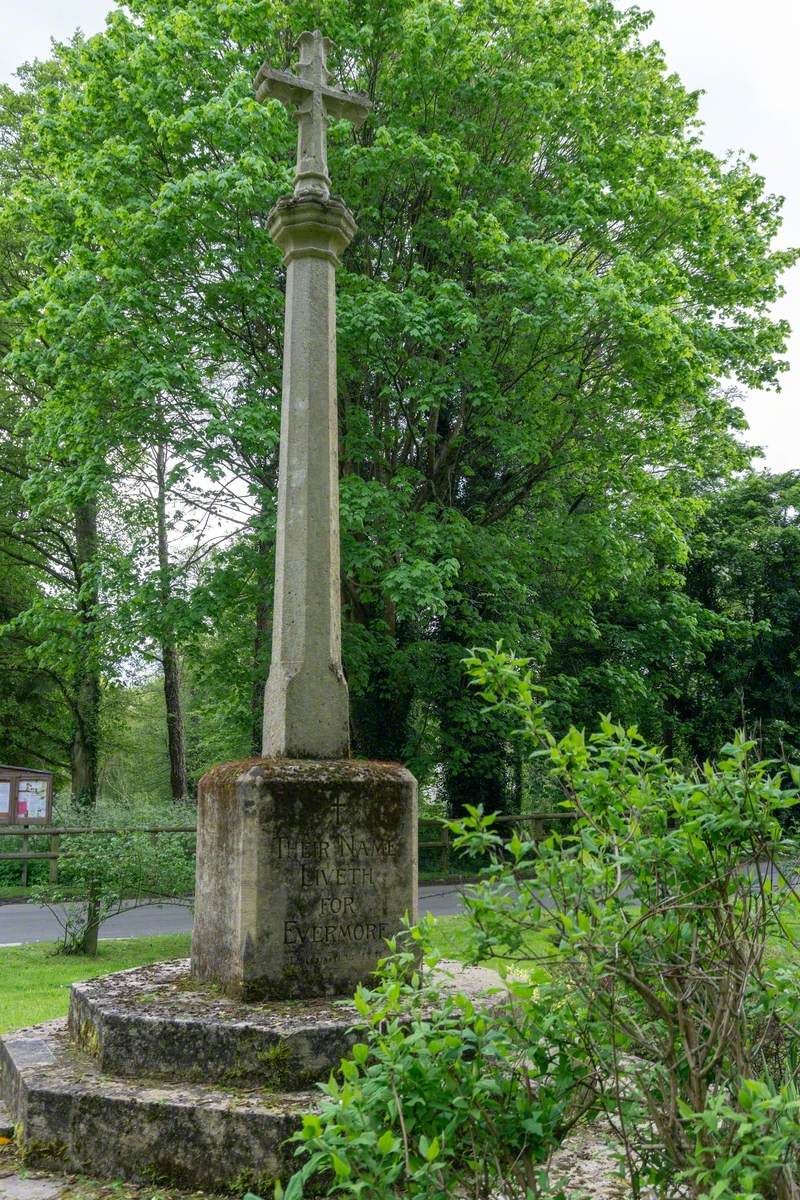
pixel 185 1036
pixel 71 1117
pixel 46 1053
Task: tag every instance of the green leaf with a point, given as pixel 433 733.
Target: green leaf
pixel 386 1142
pixel 432 1151
pixel 341 1167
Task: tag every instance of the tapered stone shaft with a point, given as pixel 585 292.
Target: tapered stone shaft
pixel 306 711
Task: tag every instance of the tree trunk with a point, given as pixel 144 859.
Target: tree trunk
pixel 91 933
pixel 86 704
pixel 178 782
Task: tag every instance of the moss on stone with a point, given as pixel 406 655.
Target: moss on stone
pixel 87 1037
pixel 38 1152
pixel 262 1183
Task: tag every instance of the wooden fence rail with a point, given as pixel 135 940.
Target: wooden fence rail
pixel 443 843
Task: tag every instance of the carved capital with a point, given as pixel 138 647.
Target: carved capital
pixel 303 227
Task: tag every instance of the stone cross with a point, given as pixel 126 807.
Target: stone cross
pixel 306 858
pixel 306 707
pixel 314 103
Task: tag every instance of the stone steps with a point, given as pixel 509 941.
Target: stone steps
pixel 193 1135
pixel 158 1079
pixel 156 1022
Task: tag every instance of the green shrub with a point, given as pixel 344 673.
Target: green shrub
pixel 747 1150
pixel 102 874
pixel 442 1097
pixel 649 954
pixel 661 906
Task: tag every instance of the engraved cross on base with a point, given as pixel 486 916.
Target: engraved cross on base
pixel 314 103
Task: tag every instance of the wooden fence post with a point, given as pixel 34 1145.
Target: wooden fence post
pixel 55 848
pixel 445 849
pixel 23 875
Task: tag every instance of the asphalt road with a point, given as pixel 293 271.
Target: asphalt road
pixel 32 923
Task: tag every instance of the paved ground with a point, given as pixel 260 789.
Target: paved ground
pixel 15 1187
pixel 32 923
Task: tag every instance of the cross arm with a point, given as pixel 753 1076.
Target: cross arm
pixel 292 90
pixel 351 106
pixel 280 85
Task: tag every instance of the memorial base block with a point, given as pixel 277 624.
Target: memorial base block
pixel 304 869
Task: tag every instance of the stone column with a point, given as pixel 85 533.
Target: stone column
pixel 306 711
pixel 306 860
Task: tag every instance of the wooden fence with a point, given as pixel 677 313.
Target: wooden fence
pixel 538 823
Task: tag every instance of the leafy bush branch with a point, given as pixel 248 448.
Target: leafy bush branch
pixel 663 909
pixel 103 874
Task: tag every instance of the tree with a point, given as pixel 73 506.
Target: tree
pixel 34 721
pixel 744 570
pixel 550 279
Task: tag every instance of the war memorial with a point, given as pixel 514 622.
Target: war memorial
pixel 195 1073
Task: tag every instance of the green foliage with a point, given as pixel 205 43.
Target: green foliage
pixel 658 907
pixel 441 1096
pixel 745 572
pixel 550 280
pixel 755 1144
pixel 34 728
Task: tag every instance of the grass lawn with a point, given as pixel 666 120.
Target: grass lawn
pixel 34 982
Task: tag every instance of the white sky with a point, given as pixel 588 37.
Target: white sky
pixel 743 53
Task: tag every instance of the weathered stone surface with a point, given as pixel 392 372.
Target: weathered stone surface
pixel 6 1124
pixel 15 1187
pixel 75 1118
pixel 157 1022
pixel 303 870
pixel 306 710
pixel 314 102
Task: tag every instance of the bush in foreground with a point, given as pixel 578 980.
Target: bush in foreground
pixel 669 918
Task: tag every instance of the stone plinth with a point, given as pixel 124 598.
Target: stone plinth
pixel 304 869
pixel 157 1079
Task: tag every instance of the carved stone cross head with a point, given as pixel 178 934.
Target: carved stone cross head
pixel 314 104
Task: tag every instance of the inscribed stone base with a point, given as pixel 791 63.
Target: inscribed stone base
pixel 304 869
